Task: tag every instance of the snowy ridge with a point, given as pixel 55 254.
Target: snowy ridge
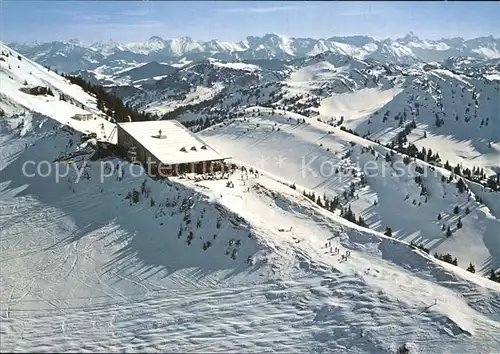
pixel 316 156
pixel 466 105
pixel 409 49
pixel 197 83
pixel 19 73
pixel 372 98
pixel 236 66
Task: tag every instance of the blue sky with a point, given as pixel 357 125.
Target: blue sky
pixel 130 21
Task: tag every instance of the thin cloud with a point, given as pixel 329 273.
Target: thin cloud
pixel 92 17
pixel 262 10
pixel 362 13
pixel 75 15
pixel 356 9
pixel 142 12
pixel 117 26
pixel 118 31
pixel 62 12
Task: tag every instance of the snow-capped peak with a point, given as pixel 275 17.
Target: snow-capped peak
pixel 408 49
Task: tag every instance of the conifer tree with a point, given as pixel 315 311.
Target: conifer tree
pixel 471 268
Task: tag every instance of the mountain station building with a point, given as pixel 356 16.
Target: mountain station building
pixel 168 146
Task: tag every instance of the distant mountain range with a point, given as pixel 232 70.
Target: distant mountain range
pixel 74 55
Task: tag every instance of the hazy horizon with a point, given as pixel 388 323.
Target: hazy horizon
pixel 242 39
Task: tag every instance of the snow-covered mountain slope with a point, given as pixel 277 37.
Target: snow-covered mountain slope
pixel 455 109
pixel 74 55
pixel 324 159
pixel 19 76
pixel 457 116
pixel 64 56
pixel 99 258
pixel 200 82
pixel 358 104
pixel 85 268
pixel 137 76
pixel 317 76
pixel 328 73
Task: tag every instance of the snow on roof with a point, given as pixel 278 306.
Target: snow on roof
pixel 177 144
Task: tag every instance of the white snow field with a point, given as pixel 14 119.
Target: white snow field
pixel 165 104
pixel 314 157
pixel 83 270
pixel 468 105
pixel 124 263
pixel 469 108
pixel 358 104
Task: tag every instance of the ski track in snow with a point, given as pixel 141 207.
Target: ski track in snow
pixel 300 309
